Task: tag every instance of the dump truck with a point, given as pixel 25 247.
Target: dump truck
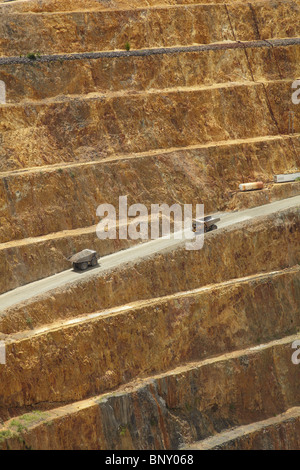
pixel 84 259
pixel 209 222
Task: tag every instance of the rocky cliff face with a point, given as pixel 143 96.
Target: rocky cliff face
pixel 254 248
pixel 170 410
pixel 106 350
pixel 164 101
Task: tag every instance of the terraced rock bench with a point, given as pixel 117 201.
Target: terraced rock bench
pixel 163 101
pixel 169 410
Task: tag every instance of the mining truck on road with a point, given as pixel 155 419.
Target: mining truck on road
pixel 209 222
pixel 84 259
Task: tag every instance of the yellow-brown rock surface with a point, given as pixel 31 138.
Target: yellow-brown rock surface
pixel 172 409
pixel 107 350
pixel 184 345
pixel 254 247
pixel 277 433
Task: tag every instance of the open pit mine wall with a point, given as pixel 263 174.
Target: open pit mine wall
pixel 204 175
pixel 174 176
pixel 106 351
pixel 31 208
pixel 95 134
pixel 131 124
pixel 195 153
pixel 278 433
pixel 50 6
pixel 137 71
pixel 258 247
pixel 181 406
pixel 114 125
pixel 171 410
pixel 209 173
pixel 264 245
pixel 147 28
pixel 114 142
